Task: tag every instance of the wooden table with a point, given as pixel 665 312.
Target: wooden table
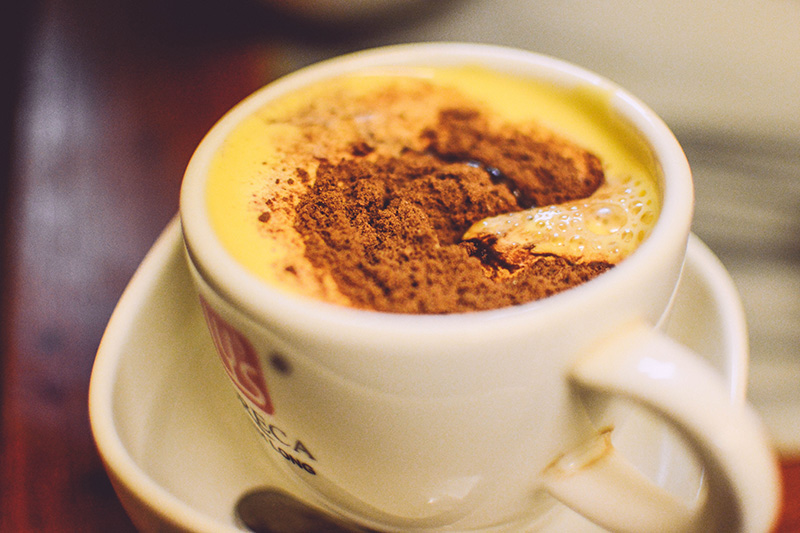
pixel 109 100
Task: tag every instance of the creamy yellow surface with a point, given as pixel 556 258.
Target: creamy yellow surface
pixel 255 169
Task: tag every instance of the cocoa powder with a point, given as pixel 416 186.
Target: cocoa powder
pixel 389 229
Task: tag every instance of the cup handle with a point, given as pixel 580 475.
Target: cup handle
pixel 646 366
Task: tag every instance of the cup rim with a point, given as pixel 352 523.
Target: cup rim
pixel 261 302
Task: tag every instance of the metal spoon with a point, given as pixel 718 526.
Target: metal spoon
pixel 269 510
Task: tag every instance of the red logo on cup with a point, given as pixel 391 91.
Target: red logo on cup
pixel 239 359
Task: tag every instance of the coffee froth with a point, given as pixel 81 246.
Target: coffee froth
pixel 305 193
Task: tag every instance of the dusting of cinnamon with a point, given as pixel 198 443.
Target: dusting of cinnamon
pixel 388 228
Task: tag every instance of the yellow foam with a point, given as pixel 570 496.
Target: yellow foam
pixel 257 161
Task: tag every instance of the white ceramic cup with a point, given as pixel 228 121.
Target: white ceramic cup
pixel 483 420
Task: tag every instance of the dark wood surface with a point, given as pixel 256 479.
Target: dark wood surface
pixel 103 104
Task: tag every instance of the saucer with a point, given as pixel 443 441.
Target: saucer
pixel 180 450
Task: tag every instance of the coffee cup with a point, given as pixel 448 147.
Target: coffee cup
pixel 483 420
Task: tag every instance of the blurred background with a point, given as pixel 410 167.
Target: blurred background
pixel 103 103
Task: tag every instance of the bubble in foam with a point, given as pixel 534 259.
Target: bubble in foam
pixel 606 218
pixel 607 226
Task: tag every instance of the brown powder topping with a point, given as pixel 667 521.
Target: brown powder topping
pixel 389 229
pixel 545 169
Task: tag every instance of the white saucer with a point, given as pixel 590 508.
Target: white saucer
pixel 180 451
